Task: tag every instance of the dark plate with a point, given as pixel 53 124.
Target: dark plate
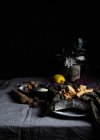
pixel 71 108
pixel 70 113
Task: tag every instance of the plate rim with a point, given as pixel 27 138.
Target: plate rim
pixel 68 114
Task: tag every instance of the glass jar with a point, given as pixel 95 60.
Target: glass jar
pixel 73 73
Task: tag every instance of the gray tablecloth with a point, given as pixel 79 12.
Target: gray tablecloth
pixel 21 122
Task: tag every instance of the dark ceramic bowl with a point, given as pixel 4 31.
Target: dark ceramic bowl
pixel 43 93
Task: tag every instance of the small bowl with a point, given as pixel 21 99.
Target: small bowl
pixel 43 93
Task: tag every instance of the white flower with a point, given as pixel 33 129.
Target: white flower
pixel 69 62
pixel 81 58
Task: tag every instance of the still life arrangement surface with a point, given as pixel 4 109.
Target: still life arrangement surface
pixel 60 97
pixel 63 96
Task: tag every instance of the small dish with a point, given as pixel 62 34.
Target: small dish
pixel 42 93
pixel 23 87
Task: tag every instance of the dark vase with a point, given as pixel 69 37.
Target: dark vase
pixel 73 73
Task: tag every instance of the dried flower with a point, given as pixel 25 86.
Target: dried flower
pixel 69 62
pixel 74 55
pixel 80 58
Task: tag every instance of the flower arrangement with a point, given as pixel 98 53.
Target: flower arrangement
pixel 74 55
pixel 69 62
pixel 72 59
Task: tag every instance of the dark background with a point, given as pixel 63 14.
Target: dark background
pixel 30 37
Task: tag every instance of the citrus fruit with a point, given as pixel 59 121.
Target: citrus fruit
pixel 59 78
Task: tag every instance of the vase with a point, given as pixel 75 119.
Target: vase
pixel 73 73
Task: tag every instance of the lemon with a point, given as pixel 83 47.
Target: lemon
pixel 58 78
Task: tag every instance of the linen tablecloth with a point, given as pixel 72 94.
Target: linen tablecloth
pixel 20 121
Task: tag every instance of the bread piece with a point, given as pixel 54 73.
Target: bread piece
pixel 29 86
pixel 71 89
pixel 34 84
pixel 82 92
pixel 81 87
pixel 20 97
pixel 68 96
